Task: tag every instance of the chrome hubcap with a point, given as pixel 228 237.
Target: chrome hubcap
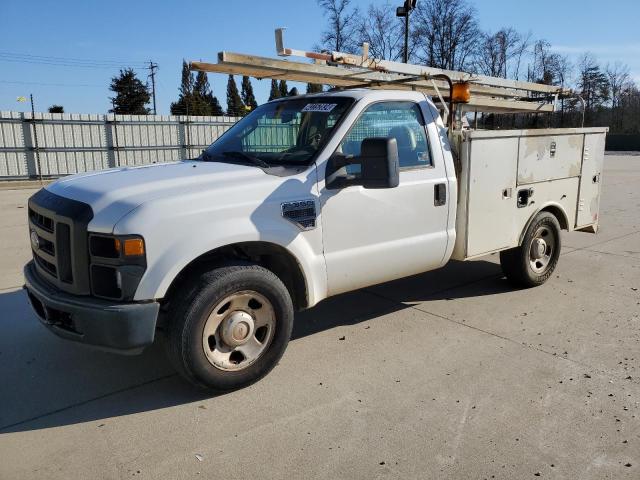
pixel 538 248
pixel 238 331
pixel 541 250
pixel 237 328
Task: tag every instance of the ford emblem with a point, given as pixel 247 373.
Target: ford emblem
pixel 35 241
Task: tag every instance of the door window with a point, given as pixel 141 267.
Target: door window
pixel 400 120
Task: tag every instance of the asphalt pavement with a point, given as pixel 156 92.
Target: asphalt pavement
pixel 449 374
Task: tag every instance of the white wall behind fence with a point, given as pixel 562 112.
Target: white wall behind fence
pixel 72 143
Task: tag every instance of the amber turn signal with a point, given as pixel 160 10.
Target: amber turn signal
pixel 461 93
pixel 133 247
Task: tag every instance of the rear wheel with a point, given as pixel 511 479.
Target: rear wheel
pixel 230 327
pixel 533 262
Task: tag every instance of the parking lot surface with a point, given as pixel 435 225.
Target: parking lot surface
pixel 449 374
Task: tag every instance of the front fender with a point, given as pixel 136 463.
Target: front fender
pixel 173 243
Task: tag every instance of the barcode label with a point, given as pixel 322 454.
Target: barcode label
pixel 319 107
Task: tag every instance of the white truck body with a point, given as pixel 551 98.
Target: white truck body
pixel 363 237
pixel 319 240
pixel 562 167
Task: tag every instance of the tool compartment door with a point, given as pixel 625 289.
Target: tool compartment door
pixel 548 157
pixel 590 181
pixel 491 195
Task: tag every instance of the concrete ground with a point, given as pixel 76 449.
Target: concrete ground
pixel 450 374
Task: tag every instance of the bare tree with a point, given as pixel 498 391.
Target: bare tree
pixel 629 111
pixel 496 51
pixel 341 34
pixel 446 32
pixel 383 31
pixel 520 51
pixel 618 77
pixel 488 60
pixel 548 67
pixel 562 69
pixel 540 69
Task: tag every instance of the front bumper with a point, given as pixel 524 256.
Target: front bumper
pixel 120 327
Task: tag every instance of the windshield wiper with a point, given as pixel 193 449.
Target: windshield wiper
pixel 206 156
pixel 245 156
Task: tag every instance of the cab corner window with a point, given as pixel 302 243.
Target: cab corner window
pixel 400 120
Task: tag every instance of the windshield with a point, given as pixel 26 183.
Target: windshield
pixel 287 132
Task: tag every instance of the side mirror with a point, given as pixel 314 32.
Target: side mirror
pixel 379 163
pixel 376 167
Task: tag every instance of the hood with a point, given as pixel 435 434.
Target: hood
pixel 115 192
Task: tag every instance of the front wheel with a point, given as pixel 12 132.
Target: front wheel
pixel 230 327
pixel 533 262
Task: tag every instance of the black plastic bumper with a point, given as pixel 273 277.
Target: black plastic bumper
pixel 121 327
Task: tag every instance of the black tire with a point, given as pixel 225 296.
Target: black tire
pixel 518 263
pixel 193 305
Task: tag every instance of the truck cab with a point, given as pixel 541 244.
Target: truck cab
pixel 304 198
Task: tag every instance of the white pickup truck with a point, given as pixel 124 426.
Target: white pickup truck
pixel 304 198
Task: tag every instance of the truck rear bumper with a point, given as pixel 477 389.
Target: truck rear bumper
pixel 120 327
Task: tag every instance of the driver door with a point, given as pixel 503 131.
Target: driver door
pixel 376 235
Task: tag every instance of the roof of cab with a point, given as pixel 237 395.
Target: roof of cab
pixel 356 93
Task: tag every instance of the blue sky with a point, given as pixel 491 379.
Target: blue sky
pixel 135 31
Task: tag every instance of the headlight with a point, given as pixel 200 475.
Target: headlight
pixel 117 264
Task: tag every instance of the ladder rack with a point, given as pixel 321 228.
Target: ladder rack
pixel 343 70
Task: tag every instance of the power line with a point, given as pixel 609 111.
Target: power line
pixel 57 64
pixel 15 82
pixel 68 63
pixel 92 61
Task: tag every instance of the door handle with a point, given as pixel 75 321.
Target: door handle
pixel 440 194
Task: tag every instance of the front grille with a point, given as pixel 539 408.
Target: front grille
pixel 47 246
pixel 58 234
pixel 46 265
pixel 63 240
pixel 41 221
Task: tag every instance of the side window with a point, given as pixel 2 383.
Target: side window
pixel 276 135
pixel 400 120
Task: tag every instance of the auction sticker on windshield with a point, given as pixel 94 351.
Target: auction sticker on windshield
pixel 319 107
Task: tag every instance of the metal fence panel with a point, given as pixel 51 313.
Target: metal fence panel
pixel 71 143
pixel 13 158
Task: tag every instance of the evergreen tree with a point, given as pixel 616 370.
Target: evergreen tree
pixel 56 109
pixel 275 91
pixel 184 104
pixel 202 96
pixel 196 97
pixel 235 107
pixel 314 88
pixel 131 95
pixel 592 83
pixel 282 88
pixel 247 95
pixel 293 92
pixel 216 108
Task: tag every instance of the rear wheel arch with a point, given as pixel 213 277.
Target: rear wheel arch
pixel 560 215
pixel 555 210
pixel 271 256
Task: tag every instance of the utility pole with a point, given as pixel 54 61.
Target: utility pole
pixel 35 136
pixel 404 11
pixel 152 69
